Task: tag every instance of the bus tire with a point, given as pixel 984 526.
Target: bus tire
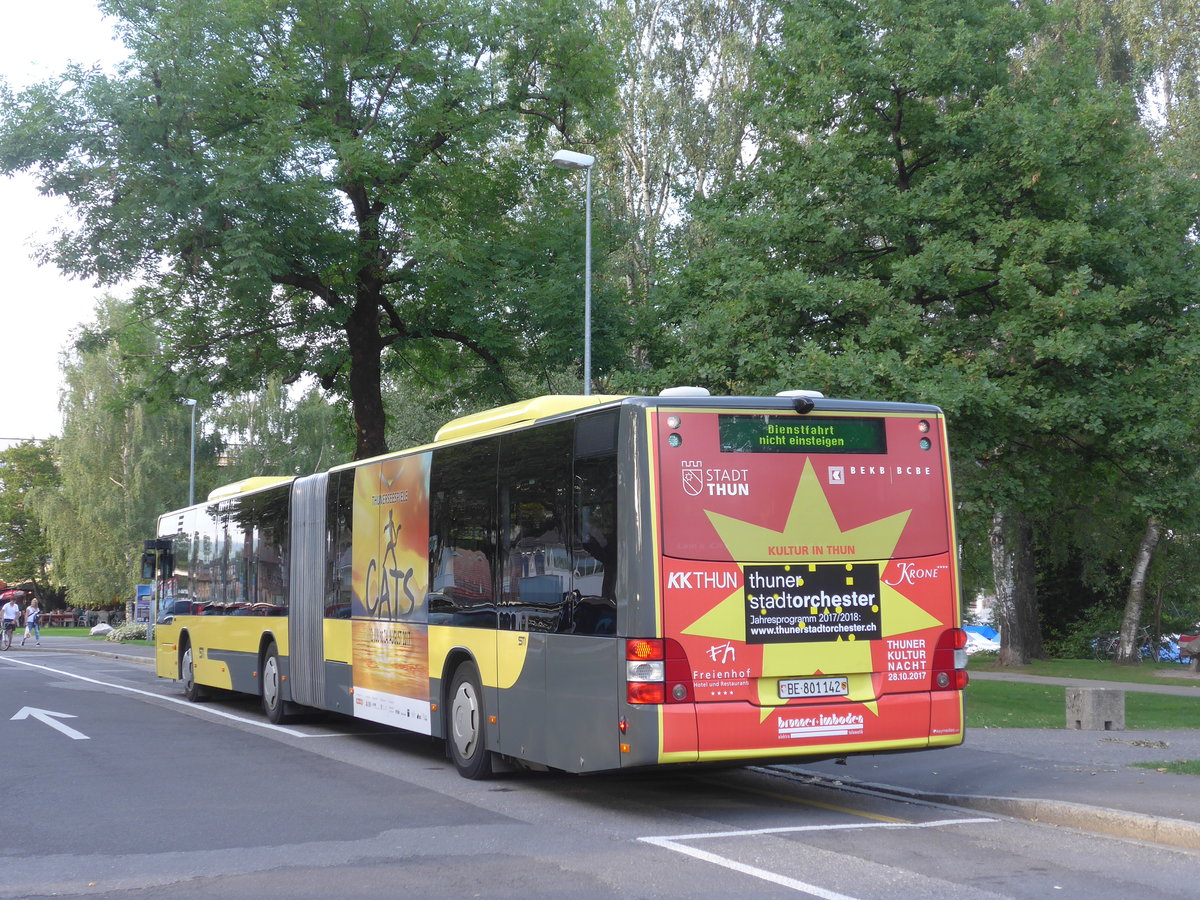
pixel 274 706
pixel 466 731
pixel 194 692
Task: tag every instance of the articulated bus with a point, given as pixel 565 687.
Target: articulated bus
pixel 589 583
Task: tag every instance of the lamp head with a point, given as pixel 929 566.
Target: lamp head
pixel 569 159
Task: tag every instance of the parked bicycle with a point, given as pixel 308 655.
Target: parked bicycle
pixel 1106 645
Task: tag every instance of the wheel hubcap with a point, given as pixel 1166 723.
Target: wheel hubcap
pixel 271 682
pixel 466 720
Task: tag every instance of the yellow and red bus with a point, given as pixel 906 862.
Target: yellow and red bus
pixel 589 583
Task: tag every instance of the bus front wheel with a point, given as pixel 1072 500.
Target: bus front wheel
pixel 187 673
pixel 465 734
pixel 273 703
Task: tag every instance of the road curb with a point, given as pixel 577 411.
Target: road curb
pixel 93 651
pixel 1094 819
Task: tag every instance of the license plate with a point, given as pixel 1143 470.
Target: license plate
pixel 791 688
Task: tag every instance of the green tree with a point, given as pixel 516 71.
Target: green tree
pixel 324 186
pixel 1154 46
pixel 685 68
pixel 269 433
pixel 25 469
pixel 122 462
pixel 937 215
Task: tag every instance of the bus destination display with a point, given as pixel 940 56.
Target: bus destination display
pixel 801 434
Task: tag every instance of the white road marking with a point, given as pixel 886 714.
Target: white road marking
pixel 132 690
pixel 48 717
pixel 672 842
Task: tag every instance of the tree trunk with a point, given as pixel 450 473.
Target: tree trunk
pixel 1016 596
pixel 366 392
pixel 1129 647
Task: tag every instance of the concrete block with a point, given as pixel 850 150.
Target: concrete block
pixel 1095 709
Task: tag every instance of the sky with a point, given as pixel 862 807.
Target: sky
pixel 40 307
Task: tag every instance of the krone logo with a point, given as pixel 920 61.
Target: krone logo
pixel 910 573
pixel 693 477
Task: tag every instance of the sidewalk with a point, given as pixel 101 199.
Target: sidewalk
pixel 1189 685
pixel 1077 779
pixel 94 647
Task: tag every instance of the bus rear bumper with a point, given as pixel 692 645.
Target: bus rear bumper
pixel 711 732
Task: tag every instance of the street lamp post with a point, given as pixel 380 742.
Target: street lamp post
pixel 192 456
pixel 568 159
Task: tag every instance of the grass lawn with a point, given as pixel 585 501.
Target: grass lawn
pixel 1174 767
pixel 1015 704
pixel 66 632
pixel 1012 704
pixel 49 632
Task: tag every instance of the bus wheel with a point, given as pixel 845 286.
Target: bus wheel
pixel 187 672
pixel 468 743
pixel 272 687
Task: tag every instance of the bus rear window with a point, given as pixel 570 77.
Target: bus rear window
pixel 801 434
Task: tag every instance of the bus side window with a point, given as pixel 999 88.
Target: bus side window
pixel 594 531
pixel 271 554
pixel 535 471
pixel 182 544
pixel 339 520
pixel 462 535
pixel 206 552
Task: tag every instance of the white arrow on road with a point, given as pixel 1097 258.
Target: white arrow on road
pixel 51 719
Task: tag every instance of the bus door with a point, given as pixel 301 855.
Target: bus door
pixel 535 575
pixel 582 700
pixel 306 636
pixel 808 575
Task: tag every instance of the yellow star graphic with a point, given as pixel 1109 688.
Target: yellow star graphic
pixel 810 524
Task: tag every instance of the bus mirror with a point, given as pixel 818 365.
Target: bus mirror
pixel 166 565
pixel 148 566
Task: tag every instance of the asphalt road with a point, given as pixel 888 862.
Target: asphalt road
pixel 143 795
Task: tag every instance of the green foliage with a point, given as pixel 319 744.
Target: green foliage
pixel 1075 640
pixel 120 464
pixel 939 214
pixel 684 67
pixel 269 433
pixel 328 187
pixel 25 469
pixel 940 200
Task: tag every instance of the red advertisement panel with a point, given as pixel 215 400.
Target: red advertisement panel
pixel 807 573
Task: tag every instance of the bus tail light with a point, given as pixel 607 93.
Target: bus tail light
pixel 656 672
pixel 950 661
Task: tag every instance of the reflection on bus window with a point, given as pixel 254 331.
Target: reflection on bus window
pixel 462 536
pixel 535 467
pixel 271 597
pixel 339 498
pixel 595 551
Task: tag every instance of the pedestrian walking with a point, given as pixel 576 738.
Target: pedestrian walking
pixel 10 614
pixel 33 615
